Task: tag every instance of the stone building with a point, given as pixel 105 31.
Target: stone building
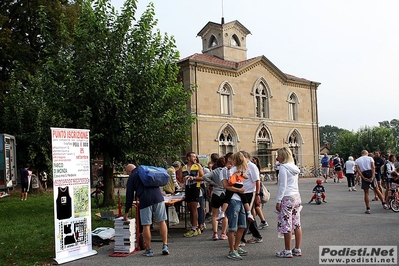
pixel 247 104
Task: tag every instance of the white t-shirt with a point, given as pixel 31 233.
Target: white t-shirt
pixel 225 174
pixel 350 167
pixel 364 163
pixel 253 176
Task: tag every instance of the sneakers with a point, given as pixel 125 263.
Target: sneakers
pixel 220 216
pixel 242 252
pixel 297 252
pixel 165 250
pixel 374 199
pixel 242 244
pixel 367 211
pixel 324 201
pixel 234 255
pixel 263 225
pixel 353 189
pixel 255 240
pixel 250 217
pixel 191 233
pixel 350 189
pixel 215 236
pixel 223 236
pixel 148 253
pixel 199 231
pixel 310 201
pixel 284 254
pixel 385 206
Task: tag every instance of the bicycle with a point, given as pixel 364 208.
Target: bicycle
pixel 394 200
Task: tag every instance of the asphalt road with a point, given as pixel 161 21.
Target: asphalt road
pixel 340 222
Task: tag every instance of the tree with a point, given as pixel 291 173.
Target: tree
pixel 119 79
pixel 394 126
pixel 345 145
pixel 21 35
pixel 375 138
pixel 330 134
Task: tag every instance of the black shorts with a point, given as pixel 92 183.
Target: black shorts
pixel 217 201
pixel 192 193
pixel 24 187
pixel 365 184
pixel 378 175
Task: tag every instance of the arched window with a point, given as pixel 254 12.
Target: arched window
pixel 293 107
pixel 225 92
pixel 234 41
pixel 213 41
pixel 261 101
pixel 264 145
pixel 295 144
pixel 227 139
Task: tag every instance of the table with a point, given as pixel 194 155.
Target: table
pixel 171 200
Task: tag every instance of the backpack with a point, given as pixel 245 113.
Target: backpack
pixel 384 172
pixel 264 193
pixel 152 176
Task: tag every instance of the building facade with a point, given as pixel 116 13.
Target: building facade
pixel 247 104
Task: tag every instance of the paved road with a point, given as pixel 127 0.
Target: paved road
pixel 341 221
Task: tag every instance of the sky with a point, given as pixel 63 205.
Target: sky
pixel 351 47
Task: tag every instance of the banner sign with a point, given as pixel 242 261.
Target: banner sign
pixel 72 204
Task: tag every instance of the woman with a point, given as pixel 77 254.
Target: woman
pixel 350 173
pixel 288 204
pixel 213 179
pixel 390 167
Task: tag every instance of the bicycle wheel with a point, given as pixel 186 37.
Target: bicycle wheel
pixel 394 204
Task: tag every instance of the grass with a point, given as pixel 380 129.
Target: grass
pixel 27 228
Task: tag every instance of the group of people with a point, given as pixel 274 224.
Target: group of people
pixel 235 197
pixel 370 170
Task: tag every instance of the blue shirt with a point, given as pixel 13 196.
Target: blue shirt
pixel 24 175
pixel 147 195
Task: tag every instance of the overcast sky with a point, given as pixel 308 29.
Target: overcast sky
pixel 350 46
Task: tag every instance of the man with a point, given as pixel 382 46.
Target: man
pixel 25 182
pixel 192 174
pixel 235 213
pixel 252 193
pixel 325 165
pixel 172 185
pixel 379 162
pixel 151 202
pixel 365 168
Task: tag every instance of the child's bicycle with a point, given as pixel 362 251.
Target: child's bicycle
pixel 394 200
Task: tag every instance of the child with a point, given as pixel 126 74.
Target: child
pixel 236 180
pixel 319 188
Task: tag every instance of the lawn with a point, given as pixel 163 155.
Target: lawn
pixel 27 228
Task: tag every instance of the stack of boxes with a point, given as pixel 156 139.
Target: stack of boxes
pixel 125 236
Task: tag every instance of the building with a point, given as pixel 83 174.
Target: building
pixel 247 104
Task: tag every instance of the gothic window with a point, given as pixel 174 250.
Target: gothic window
pixel 294 143
pixel 234 41
pixel 225 99
pixel 293 107
pixel 213 41
pixel 227 140
pixel 263 142
pixel 261 101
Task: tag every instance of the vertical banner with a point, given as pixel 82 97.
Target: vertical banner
pixel 72 205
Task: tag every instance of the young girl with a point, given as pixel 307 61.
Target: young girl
pixel 236 180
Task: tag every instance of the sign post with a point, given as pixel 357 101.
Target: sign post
pixel 72 204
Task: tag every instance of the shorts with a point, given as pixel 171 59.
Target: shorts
pixel 367 185
pixel 289 217
pixel 378 175
pixel 192 193
pixel 217 201
pixel 24 187
pixel 158 209
pixel 235 214
pixel 324 171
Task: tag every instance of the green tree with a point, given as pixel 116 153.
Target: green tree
pixel 330 134
pixel 375 138
pixel 119 79
pixel 394 126
pixel 21 35
pixel 345 145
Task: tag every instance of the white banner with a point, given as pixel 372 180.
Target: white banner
pixel 72 204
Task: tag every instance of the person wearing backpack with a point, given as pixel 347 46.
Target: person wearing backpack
pixel 151 203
